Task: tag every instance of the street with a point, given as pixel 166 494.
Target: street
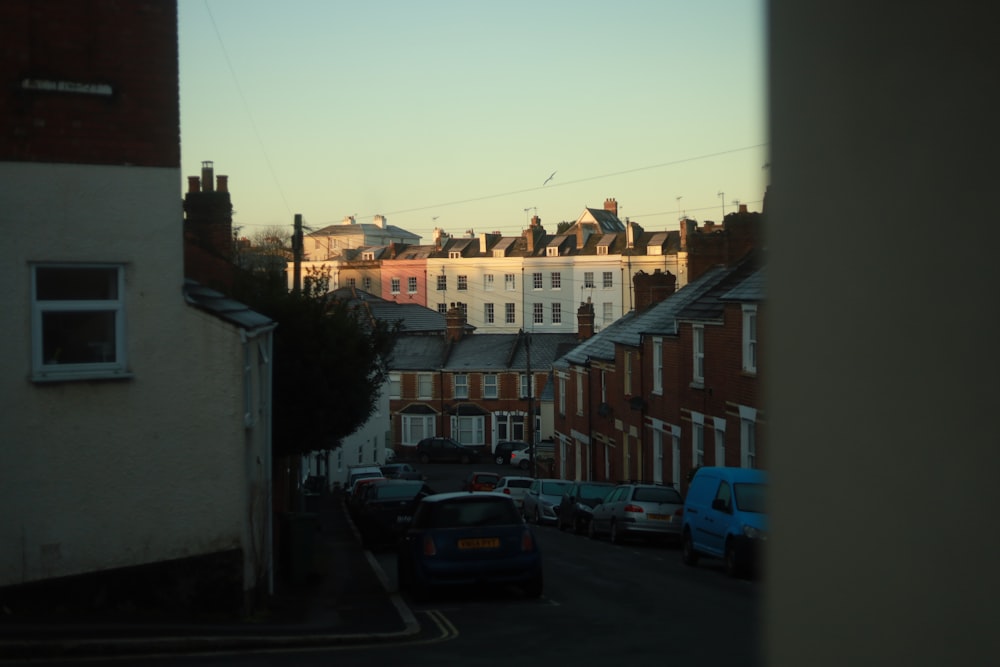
pixel 602 603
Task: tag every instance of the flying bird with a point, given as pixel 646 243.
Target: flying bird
pixel 549 178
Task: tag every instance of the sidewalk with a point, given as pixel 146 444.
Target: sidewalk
pixel 345 599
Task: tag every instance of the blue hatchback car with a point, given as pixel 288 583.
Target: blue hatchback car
pixel 467 539
pixel 724 517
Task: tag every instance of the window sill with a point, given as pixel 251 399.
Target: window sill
pixel 81 376
pixel 695 384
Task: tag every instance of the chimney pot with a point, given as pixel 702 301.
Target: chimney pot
pixel 194 184
pixel 223 183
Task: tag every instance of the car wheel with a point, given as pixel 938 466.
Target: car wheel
pixel 533 588
pixel 733 566
pixel 425 459
pixel 499 459
pixel 688 555
pixel 538 517
pixel 616 538
pixel 577 526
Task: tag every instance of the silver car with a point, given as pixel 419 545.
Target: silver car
pixel 515 487
pixel 643 510
pixel 541 503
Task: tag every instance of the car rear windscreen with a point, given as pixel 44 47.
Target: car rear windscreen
pixel 462 513
pixel 657 496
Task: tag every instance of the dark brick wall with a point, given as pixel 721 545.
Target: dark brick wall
pixel 128 47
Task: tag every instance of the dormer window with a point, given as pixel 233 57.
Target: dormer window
pixel 454 254
pixel 552 251
pixel 602 250
pixel 368 255
pixel 498 253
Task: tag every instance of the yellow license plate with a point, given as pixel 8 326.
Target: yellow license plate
pixel 659 517
pixel 479 543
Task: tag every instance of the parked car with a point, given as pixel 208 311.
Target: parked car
pixel 652 511
pixel 541 502
pixel 361 489
pixel 401 471
pixel 724 517
pixel 445 449
pixel 385 511
pixel 521 458
pixel 480 481
pixel 578 503
pixel 514 486
pixel 463 539
pixel 504 448
pixel 354 473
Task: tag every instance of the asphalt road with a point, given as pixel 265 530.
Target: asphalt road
pixel 631 604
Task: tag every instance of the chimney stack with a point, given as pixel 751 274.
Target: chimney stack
pixel 454 323
pixel 612 206
pixel 585 320
pixel 207 176
pixel 223 183
pixel 652 289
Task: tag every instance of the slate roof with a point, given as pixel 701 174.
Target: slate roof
pixel 220 305
pixel 629 329
pixel 751 289
pixel 606 220
pixel 418 353
pixel 502 352
pixel 710 306
pixel 366 228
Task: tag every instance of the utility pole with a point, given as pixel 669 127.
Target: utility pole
pixel 297 255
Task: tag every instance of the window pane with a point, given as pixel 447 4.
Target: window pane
pixel 78 337
pixel 76 284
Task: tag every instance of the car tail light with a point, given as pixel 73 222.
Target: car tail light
pixel 507 491
pixel 679 512
pixel 633 508
pixel 429 548
pixel 527 541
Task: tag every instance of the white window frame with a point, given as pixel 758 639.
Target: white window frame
pixel 748 437
pixel 410 423
pixel 469 429
pixel 509 282
pixel 698 354
pixel 608 312
pixel 395 385
pixel 658 366
pixel 394 285
pixel 443 308
pixel 115 364
pixel 442 283
pixel 628 373
pixel 608 280
pixel 488 313
pixel 657 456
pixel 491 385
pixel 510 313
pixel 536 280
pixel 562 396
pixel 579 393
pixel 588 279
pixel 555 280
pixel 460 384
pixel 523 384
pixel 366 283
pixel 749 338
pixel 556 312
pixel 425 385
pixel 538 313
pixel 463 283
pixel 411 285
pixel 488 281
pixel 697 440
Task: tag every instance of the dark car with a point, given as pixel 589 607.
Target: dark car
pixel 445 450
pixel 401 471
pixel 387 508
pixel 467 539
pixel 504 448
pixel 578 503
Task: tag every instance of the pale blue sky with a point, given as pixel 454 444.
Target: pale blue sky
pixel 462 109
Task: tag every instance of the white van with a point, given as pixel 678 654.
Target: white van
pixel 354 473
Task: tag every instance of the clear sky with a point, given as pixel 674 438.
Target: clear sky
pixel 453 113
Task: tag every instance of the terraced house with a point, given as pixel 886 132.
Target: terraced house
pixel 675 384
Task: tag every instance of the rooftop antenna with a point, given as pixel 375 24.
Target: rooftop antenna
pixel 678 198
pixel 722 196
